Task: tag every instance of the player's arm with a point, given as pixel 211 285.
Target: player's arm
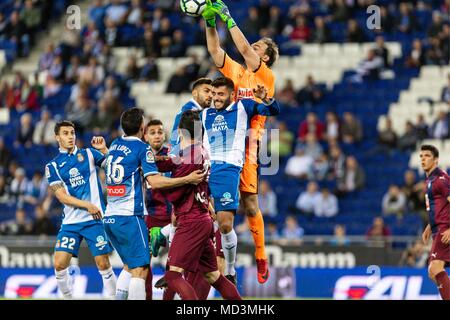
pixel 68 200
pixel 252 59
pixel 99 143
pixel 212 38
pixel 157 181
pixel 269 107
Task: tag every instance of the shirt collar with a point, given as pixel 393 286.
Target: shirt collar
pixel 434 172
pixel 75 150
pixel 197 106
pixel 130 138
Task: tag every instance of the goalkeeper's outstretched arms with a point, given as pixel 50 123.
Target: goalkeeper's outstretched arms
pixel 251 57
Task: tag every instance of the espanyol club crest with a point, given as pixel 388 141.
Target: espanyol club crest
pixel 80 157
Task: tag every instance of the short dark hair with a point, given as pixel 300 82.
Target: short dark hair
pixel 131 121
pixel 63 123
pixel 223 81
pixel 429 147
pixel 154 122
pixel 201 81
pixel 271 51
pixel 188 120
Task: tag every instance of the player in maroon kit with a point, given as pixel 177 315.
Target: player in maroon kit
pixel 158 207
pixel 192 246
pixel 437 200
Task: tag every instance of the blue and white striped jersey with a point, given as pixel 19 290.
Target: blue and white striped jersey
pixel 129 160
pixel 226 129
pixel 78 173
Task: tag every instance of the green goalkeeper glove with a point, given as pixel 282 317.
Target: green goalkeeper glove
pixel 222 10
pixel 209 14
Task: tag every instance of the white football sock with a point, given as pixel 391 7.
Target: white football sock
pixel 64 281
pixel 229 244
pixel 109 283
pixel 122 285
pixel 137 289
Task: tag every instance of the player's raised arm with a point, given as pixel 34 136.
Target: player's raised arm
pixel 252 59
pixel 99 143
pixel 212 37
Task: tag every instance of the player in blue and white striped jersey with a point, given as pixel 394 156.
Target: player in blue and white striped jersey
pixel 72 176
pixel 129 161
pixel 225 128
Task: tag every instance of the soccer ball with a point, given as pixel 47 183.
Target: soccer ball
pixel 193 8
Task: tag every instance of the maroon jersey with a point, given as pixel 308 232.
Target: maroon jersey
pixel 438 207
pixel 190 202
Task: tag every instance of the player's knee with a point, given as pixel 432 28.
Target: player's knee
pixel 60 265
pixel 433 270
pixel 226 227
pixel 250 204
pixel 212 277
pixel 102 262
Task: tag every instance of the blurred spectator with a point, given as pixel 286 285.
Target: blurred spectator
pixel 339 236
pixel 406 21
pixel 179 82
pixel 46 59
pixel 44 131
pixel 149 44
pixel 36 189
pixel 177 47
pixel 56 70
pixel 394 202
pixel 299 165
pixel 307 200
pixel 320 168
pixel 264 11
pixel 301 31
pixel 332 126
pixel 6 95
pixel 436 25
pixel 341 12
pixel 291 233
pixel 282 146
pixel 387 138
pixel 3 26
pixel 243 232
pixel 132 70
pixel 415 256
pixel 135 13
pixel 26 98
pixel 81 113
pixel 19 186
pixel 287 94
pixel 275 24
pixel 310 94
pixel 4 190
pixel 351 129
pixel 381 51
pixel 378 234
pixel 387 22
pixel 42 224
pixel 24 136
pixel 267 200
pixel 272 234
pixel 312 146
pixel 445 95
pixel 354 32
pixel 5 157
pixel 73 70
pixel 31 16
pixel 353 179
pixel 326 204
pixel 193 67
pixel 408 141
pixel 110 86
pixel 440 127
pixel 252 24
pixel 311 125
pixel 116 12
pixel 435 53
pixel 369 68
pixel 103 119
pixel 337 163
pixel 413 191
pixel 20 226
pixel 16 32
pixel 93 73
pixel 321 33
pixel 416 58
pixel 421 128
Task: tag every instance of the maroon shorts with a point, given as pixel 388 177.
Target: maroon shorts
pixel 192 247
pixel 218 237
pixel 439 250
pixel 157 221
